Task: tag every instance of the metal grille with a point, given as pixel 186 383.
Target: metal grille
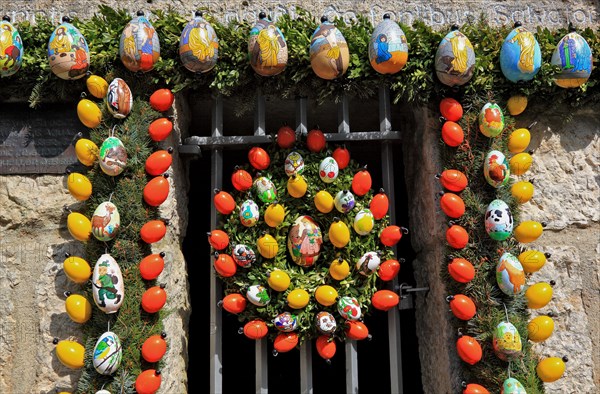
pixel 216 144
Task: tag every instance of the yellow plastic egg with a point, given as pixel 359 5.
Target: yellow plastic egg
pixel 78 308
pixel 89 114
pixel 528 231
pixel 518 140
pixel 296 186
pixel 533 260
pixel 540 328
pixel 324 201
pixel 70 354
pixel 77 269
pixel 339 269
pixel 551 369
pixel 326 295
pixel 339 234
pixel 267 246
pixel 86 151
pixel 539 295
pixel 274 215
pixel 522 191
pixel 79 186
pixel 279 280
pixel 520 163
pixel 516 105
pixel 298 298
pixel 79 226
pixel 97 86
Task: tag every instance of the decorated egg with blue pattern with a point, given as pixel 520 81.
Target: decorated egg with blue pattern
pixel 455 59
pixel 139 48
pixel 106 221
pixel 506 341
pixel 249 213
pixel 198 45
pixel 574 57
pixel 267 48
pixel 329 54
pixel 265 189
pixel 388 48
pixel 496 169
pixel 286 322
pixel 68 52
pixel 520 55
pixel 294 164
pixel 512 386
pixel 510 275
pixel 108 353
pixel 498 220
pixel 11 48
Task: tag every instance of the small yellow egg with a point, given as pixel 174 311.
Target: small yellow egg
pixel 279 280
pixel 86 151
pixel 540 328
pixel 79 186
pixel 274 215
pixel 267 246
pixel 520 163
pixel 79 226
pixel 296 186
pixel 528 231
pixel 538 295
pixel 298 298
pixel 532 260
pixel 550 369
pixel 326 295
pixel 97 86
pixel 522 191
pixel 77 269
pixel 339 234
pixel 339 269
pixel 70 354
pixel 519 140
pixel 78 308
pixel 324 201
pixel 89 114
pixel 516 105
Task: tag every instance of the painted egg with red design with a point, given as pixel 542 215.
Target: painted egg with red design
pixel 258 295
pixel 68 52
pixel 304 241
pixel 106 221
pixel 249 213
pixel 491 120
pixel 13 47
pixel 243 255
pixel 285 322
pixel 139 47
pixel 325 323
pixel 294 164
pixel 328 170
pixel 119 99
pixel 368 263
pixel 349 308
pixel 510 275
pixel 496 169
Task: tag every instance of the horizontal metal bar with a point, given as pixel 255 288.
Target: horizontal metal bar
pixel 189 150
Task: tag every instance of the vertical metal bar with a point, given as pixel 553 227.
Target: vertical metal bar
pixel 262 382
pixel 343 115
pixel 306 383
pixel 216 322
pixel 387 162
pixel 259 115
pixel 351 367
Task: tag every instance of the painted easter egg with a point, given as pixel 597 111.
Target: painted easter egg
pixel 267 48
pixel 12 48
pixel 68 52
pixel 491 120
pixel 510 275
pixel 258 295
pixel 249 213
pixel 113 156
pixel 512 386
pixel 107 353
pixel 79 186
pixel 344 201
pixel 108 286
pixel 70 353
pixel 388 47
pixel 574 57
pixel 520 55
pixel 77 269
pixel 198 45
pixel 328 170
pixel 455 59
pixel 496 169
pixel 285 322
pixel 506 341
pixel 86 151
pixel 243 255
pixel 304 241
pixel 78 307
pixel 368 263
pixel 265 189
pixel 294 164
pixel 325 323
pixel 498 220
pixel 349 308
pixel 97 86
pixel 363 222
pixel 88 113
pixel 106 221
pixel 119 99
pixel 139 47
pixel 329 54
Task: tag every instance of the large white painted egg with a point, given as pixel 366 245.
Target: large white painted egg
pixel 258 295
pixel 265 189
pixel 344 201
pixel 249 213
pixel 368 263
pixel 364 221
pixel 106 221
pixel 328 170
pixel 107 284
pixel 294 164
pixel 498 220
pixel 107 353
pixel 113 156
pixel 119 99
pixel 304 241
pixel 496 169
pixel 68 52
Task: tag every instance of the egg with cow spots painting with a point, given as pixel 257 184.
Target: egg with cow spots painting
pixel 498 220
pixel 496 169
pixel 510 275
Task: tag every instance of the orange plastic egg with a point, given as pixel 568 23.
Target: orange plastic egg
pixel 461 270
pixel 356 330
pixel 225 266
pixel 469 350
pixel 154 299
pixel 255 329
pixel 234 303
pixel 285 342
pixel 161 100
pixel 473 388
pixel 453 180
pixel 315 140
pixel 148 382
pixel 151 266
pixel 224 202
pixel 457 236
pixel 388 270
pixel 153 231
pixel 159 162
pixel 156 191
pixel 160 129
pixel 384 300
pixel 452 134
pixel 286 137
pixel 326 347
pixel 241 180
pixel 154 348
pixel 379 205
pixel 452 205
pixel 462 306
pixel 391 235
pixel 342 156
pixel 361 183
pixel 451 109
pixel 218 239
pixel 259 158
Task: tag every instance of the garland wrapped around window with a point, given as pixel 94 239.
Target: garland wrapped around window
pixel 467 150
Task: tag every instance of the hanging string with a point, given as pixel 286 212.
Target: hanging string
pixel 506 312
pixel 112 132
pixel 109 197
